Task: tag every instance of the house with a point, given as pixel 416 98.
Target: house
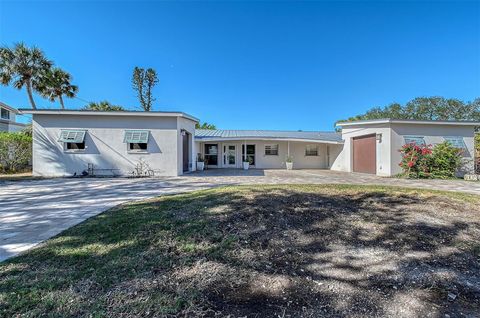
pixel 371 146
pixel 68 142
pixel 267 149
pixel 7 119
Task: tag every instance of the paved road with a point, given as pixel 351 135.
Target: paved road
pixel 33 211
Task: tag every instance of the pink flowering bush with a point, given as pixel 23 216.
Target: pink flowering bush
pixel 415 160
pixel 423 161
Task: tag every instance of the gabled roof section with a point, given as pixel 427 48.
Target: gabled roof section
pixel 107 113
pixel 408 121
pixel 309 136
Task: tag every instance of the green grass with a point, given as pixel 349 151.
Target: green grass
pixel 137 259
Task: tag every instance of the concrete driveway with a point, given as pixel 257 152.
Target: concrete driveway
pixel 33 211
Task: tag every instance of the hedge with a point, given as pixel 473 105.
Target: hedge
pixel 15 151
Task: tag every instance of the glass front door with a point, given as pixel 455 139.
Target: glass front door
pixel 229 155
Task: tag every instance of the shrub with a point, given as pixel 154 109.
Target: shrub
pixel 441 161
pixel 15 151
pixel 445 161
pixel 415 160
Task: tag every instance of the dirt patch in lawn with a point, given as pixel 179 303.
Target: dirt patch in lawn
pixel 262 251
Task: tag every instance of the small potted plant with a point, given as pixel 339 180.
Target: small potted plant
pixel 200 163
pixel 289 162
pixel 246 163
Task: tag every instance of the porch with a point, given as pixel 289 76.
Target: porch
pixel 268 154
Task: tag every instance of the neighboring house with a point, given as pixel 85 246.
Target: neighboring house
pixel 7 119
pixel 67 142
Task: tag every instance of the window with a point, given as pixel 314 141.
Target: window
pixel 211 154
pixel 5 114
pixel 137 146
pixel 75 145
pixel 271 150
pixel 73 140
pixel 136 140
pixel 250 154
pixel 311 150
pixel 457 142
pixel 419 141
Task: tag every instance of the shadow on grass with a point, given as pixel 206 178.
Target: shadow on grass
pixel 265 251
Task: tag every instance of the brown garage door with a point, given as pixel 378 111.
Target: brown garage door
pixel 364 154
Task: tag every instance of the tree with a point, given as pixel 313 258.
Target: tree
pixel 425 108
pixel 55 83
pixel 205 126
pixel 428 108
pixel 104 106
pixel 143 82
pixel 23 67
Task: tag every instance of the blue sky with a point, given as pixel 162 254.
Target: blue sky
pixel 255 65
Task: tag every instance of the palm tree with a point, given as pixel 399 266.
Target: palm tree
pixel 55 83
pixel 22 66
pixel 104 106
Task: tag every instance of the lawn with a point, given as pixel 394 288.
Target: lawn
pixel 260 251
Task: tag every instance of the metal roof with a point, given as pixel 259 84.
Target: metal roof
pixel 314 136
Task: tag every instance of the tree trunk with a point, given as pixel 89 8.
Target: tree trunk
pixel 30 96
pixel 61 101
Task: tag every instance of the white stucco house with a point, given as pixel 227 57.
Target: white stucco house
pixel 8 119
pixel 72 142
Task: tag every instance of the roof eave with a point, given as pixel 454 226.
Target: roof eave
pixel 220 139
pixel 406 121
pixel 10 108
pixel 107 113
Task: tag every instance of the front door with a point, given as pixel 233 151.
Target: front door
pixel 230 156
pixel 186 151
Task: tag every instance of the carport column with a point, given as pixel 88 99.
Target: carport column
pixel 245 150
pixel 288 148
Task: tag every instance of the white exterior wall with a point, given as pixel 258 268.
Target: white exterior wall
pixel 433 134
pixel 104 144
pixel 189 127
pixel 262 161
pixel 344 161
pixel 15 127
pixel 3 126
pixel 387 155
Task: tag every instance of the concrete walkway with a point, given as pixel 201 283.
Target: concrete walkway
pixel 33 211
pixel 237 176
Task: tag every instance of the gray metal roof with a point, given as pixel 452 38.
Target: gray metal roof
pixel 326 136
